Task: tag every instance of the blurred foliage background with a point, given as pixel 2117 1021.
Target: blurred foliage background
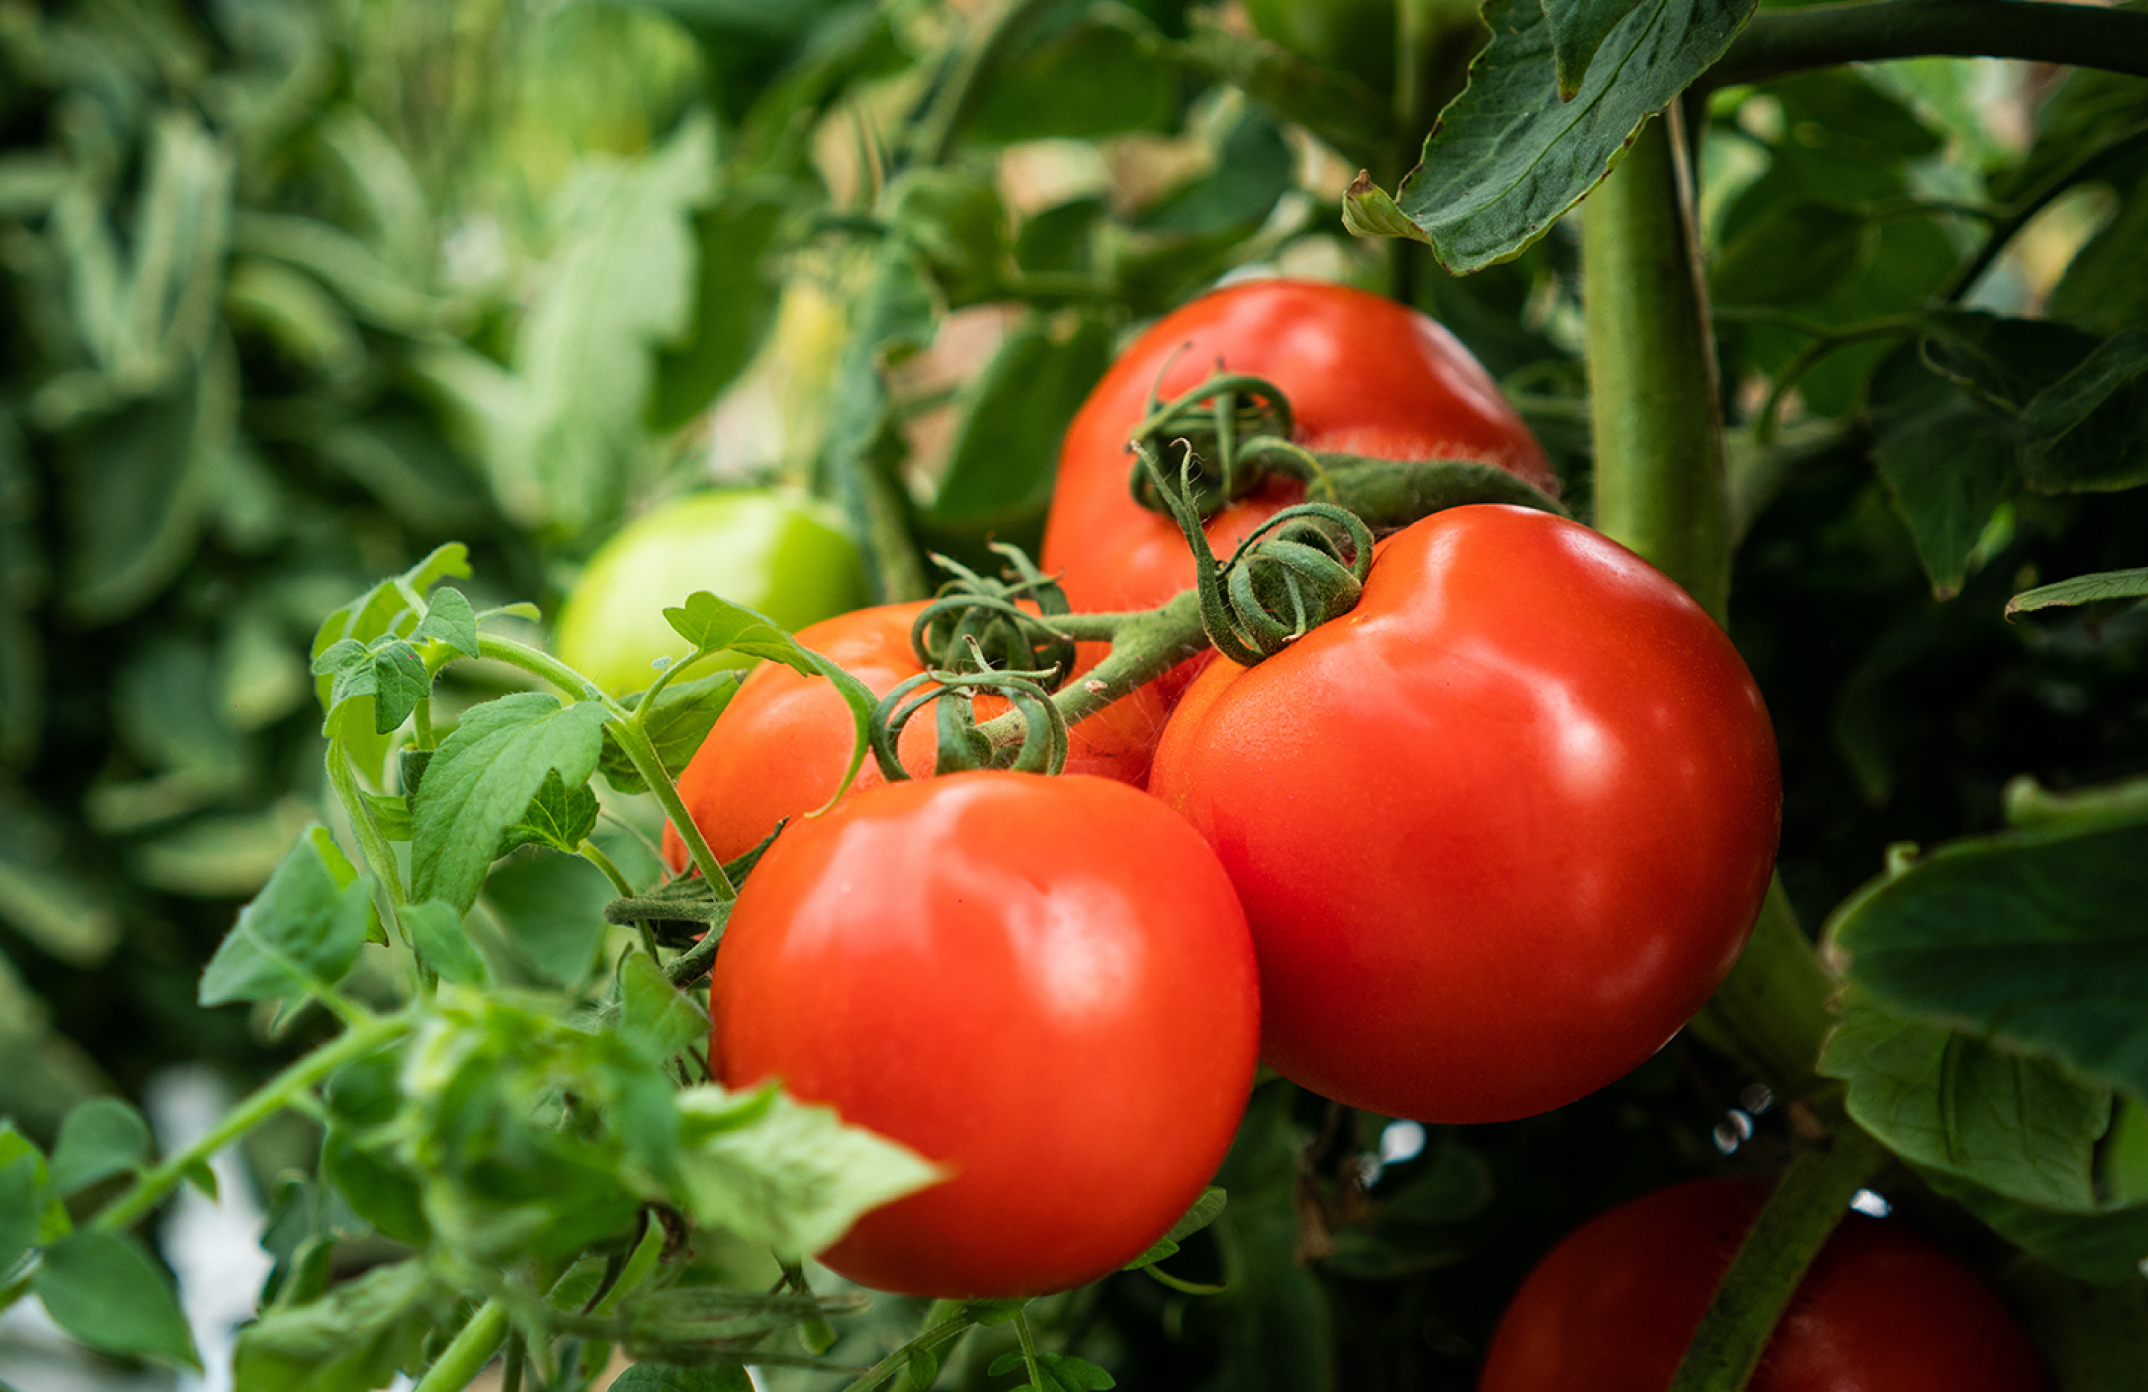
pixel 293 290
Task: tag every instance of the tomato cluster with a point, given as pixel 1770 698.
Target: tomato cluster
pixel 1483 843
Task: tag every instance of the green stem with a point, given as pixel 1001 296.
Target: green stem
pixel 373 843
pixel 594 854
pixel 1771 1013
pixel 1029 1351
pixel 632 739
pixel 265 1101
pixel 1818 36
pixel 422 730
pixel 1661 488
pixel 461 1361
pixel 1812 1198
pixel 932 1337
pixel 1147 645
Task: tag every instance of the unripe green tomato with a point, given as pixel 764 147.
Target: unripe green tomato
pixel 780 553
pixel 1354 36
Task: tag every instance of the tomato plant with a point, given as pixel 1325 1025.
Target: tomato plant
pixel 768 550
pixel 1500 830
pixel 1364 375
pixel 782 745
pixel 1044 986
pixel 1613 1306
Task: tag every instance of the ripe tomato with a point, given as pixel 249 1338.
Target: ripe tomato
pixel 781 554
pixel 1043 983
pixel 1500 830
pixel 1613 1307
pixel 1364 375
pixel 780 748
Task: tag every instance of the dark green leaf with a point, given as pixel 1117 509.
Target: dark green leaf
pixel 1507 158
pixel 685 713
pixel 356 1338
pixel 1451 1183
pixel 2032 937
pixel 2082 589
pixel 301 934
pixel 992 1313
pixel 956 221
pixel 2019 1126
pixel 2088 432
pixel 52 1222
pixel 1948 461
pixel 559 817
pixel 2105 1247
pixel 137 490
pixel 675 1377
pixel 376 1189
pixel 105 1292
pixel 20 1211
pixel 450 620
pixel 552 908
pixel 100 1138
pixel 1799 254
pixel 1205 1210
pixel 436 933
pixel 1089 80
pixel 1074 1374
pixel 481 779
pixel 2003 361
pixel 1338 107
pixel 1578 29
pixel 653 1014
pixel 734 304
pixel 1061 239
pixel 1254 167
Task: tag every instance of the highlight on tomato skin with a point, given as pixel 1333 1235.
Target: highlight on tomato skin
pixel 1044 984
pixel 1613 1306
pixel 780 747
pixel 1364 374
pixel 1499 831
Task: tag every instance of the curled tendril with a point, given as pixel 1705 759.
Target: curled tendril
pixel 1238 429
pixel 962 746
pixel 1300 568
pixel 972 610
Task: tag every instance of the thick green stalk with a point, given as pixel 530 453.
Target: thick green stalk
pixel 1806 1206
pixel 264 1102
pixel 461 1361
pixel 1771 1014
pixel 1661 488
pixel 1782 41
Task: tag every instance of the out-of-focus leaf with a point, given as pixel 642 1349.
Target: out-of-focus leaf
pixel 776 1171
pixel 357 1337
pixel 101 1138
pixel 733 308
pixel 303 320
pixel 552 909
pixel 2017 1125
pixel 302 933
pixel 2031 937
pixel 1337 107
pixel 1061 239
pixel 22 583
pixel 1088 81
pixel 378 1191
pixel 1254 167
pixel 685 713
pixel 653 1014
pixel 2105 1247
pixel 1507 157
pixel 104 1290
pixel 2088 432
pixel 481 779
pixel 436 933
pixel 41 897
pixel 677 1377
pixel 51 1221
pixel 1205 1210
pixel 958 224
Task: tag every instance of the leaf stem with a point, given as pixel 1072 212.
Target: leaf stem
pixel 1804 1210
pixel 265 1101
pixel 1029 1351
pixel 2019 214
pixel 1777 42
pixel 474 1344
pixel 1146 645
pixel 894 1363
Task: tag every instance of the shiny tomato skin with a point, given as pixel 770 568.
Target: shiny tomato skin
pixel 1365 375
pixel 1044 984
pixel 779 749
pixel 1500 830
pixel 1612 1307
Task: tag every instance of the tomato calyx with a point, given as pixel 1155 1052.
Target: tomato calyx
pixel 963 744
pixel 1236 430
pixel 975 611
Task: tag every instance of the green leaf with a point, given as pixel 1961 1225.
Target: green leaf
pixel 2106 1247
pixel 2082 589
pixel 1338 107
pixel 2088 432
pixel 654 1015
pixel 481 779
pixel 356 1338
pixel 552 909
pixel 676 1377
pixel 1255 166
pixel 2006 362
pixel 685 713
pixel 1205 1210
pixel 2021 1127
pixel 449 619
pixel 100 1138
pixel 1506 159
pixel 300 935
pixel 958 224
pixel 106 1293
pixel 2032 937
pixel 1578 29
pixel 52 1222
pixel 1088 81
pixel 777 1171
pixel 734 306
pixel 380 1192
pixel 559 817
pixel 388 670
pixel 1948 461
pixel 436 933
pixel 20 1212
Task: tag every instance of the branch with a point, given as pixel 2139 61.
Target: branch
pixel 1819 36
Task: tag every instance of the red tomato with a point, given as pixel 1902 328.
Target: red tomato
pixel 1364 375
pixel 1612 1308
pixel 780 748
pixel 1044 983
pixel 1500 830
